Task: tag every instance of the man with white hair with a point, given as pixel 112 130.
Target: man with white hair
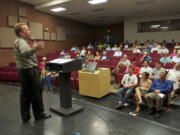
pixel 124 61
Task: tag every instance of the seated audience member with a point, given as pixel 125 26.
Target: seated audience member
pixel 74 48
pixel 77 50
pixel 45 77
pixel 174 75
pixel 163 50
pixel 108 48
pixel 100 46
pixel 177 46
pixel 176 59
pixel 146 68
pixel 90 46
pixel 104 56
pixel 155 48
pixel 174 53
pixel 115 47
pixel 124 61
pixel 121 46
pixel 173 43
pixel 145 49
pixel 42 63
pixel 134 67
pixel 62 53
pixel 97 56
pixel 165 59
pixel 142 90
pixel 129 82
pixel 157 70
pixel 150 46
pixel 136 50
pixel 78 56
pixel 126 47
pixel 118 53
pixel 85 63
pixel 89 55
pixel 83 51
pixel 158 90
pixel 146 58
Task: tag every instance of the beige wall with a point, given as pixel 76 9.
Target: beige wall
pixel 130 30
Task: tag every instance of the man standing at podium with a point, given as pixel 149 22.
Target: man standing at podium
pixel 26 62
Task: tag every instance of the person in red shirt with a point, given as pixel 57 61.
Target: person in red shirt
pixel 135 68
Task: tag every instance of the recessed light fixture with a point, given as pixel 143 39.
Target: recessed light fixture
pixel 93 2
pixel 59 9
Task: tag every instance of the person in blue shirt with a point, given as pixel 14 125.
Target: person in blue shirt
pixel 165 59
pixel 146 57
pixel 159 88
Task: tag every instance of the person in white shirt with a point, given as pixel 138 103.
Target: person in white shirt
pixel 129 82
pixel 136 50
pixel 83 51
pixel 174 75
pixel 176 59
pixel 163 50
pixel 114 48
pixel 118 53
pixel 155 48
pixel 146 68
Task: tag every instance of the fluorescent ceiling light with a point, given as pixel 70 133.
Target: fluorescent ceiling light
pixel 58 9
pixel 155 26
pixel 93 2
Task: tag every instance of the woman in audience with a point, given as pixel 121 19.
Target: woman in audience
pixel 89 55
pixel 142 90
pixel 134 67
pixel 42 63
pixel 97 56
pixel 83 51
pixel 174 53
pixel 165 59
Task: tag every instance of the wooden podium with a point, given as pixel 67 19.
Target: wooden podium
pixel 95 84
